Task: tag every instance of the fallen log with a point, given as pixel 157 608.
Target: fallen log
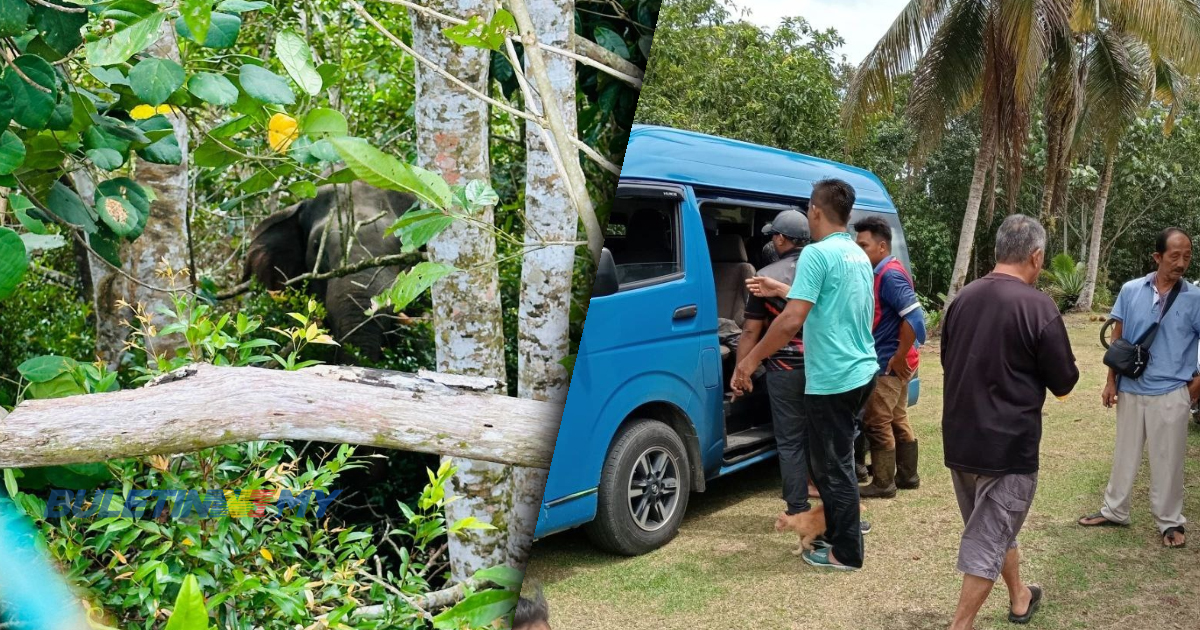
pixel 201 406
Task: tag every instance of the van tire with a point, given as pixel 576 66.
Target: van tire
pixel 615 528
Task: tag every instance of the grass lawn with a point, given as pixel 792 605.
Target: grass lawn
pixel 729 569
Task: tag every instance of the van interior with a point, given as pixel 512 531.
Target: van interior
pixel 644 239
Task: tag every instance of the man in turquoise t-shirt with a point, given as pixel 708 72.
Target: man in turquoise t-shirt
pixel 833 299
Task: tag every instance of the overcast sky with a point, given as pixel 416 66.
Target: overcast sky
pixel 860 22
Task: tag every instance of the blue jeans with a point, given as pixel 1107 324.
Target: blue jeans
pixel 832 423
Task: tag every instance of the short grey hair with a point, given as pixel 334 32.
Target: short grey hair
pixel 1019 237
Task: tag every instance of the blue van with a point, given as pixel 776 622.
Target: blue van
pixel 649 417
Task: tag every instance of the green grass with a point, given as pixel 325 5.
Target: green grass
pixel 729 569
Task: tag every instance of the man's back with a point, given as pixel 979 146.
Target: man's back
pixel 1003 344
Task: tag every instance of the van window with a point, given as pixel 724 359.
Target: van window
pixel 643 237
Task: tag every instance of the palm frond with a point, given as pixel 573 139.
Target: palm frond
pixel 1119 74
pixel 1170 27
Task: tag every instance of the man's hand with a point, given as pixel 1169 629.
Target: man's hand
pixel 741 383
pixel 1194 390
pixel 1109 395
pixel 762 286
pixel 898 367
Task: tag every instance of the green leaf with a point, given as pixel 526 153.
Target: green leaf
pixel 14 15
pixel 197 15
pixel 384 171
pixel 12 152
pixel 479 194
pixel 21 207
pixel 39 243
pixel 190 612
pixel 241 6
pixel 163 151
pixel 418 227
pixel 324 151
pixel 118 214
pixel 13 262
pixel 60 30
pixel 609 39
pixel 296 57
pixel 59 387
pixel 129 39
pixel 505 577
pixel 109 76
pixel 232 127
pixel 323 121
pixel 303 189
pixel 223 31
pixel 32 107
pixel 477 34
pixel 64 112
pixel 477 611
pixel 107 244
pixel 213 154
pixel 213 88
pixel 132 197
pixel 266 86
pixel 67 205
pixel 43 368
pixel 412 283
pixel 154 80
pixel 7 103
pixel 106 159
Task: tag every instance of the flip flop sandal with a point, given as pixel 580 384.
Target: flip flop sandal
pixel 1035 601
pixel 1171 531
pixel 1104 522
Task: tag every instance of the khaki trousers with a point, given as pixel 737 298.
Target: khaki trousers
pixel 886 418
pixel 1160 424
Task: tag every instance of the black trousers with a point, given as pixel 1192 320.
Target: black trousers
pixel 832 423
pixel 786 391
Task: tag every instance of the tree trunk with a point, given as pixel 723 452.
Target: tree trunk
pixel 546 273
pixel 164 239
pixel 966 238
pixel 1088 295
pixel 452 140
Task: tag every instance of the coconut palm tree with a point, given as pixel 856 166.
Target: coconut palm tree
pixel 992 54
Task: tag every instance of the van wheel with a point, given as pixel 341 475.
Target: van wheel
pixel 643 492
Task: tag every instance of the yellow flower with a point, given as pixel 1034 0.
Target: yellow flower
pixel 167 109
pixel 142 112
pixel 266 554
pixel 281 131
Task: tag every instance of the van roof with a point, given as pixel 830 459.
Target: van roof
pixel 674 155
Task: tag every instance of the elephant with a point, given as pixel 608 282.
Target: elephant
pixel 287 244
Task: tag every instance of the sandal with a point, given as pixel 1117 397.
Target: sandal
pixel 1035 600
pixel 1169 537
pixel 1104 522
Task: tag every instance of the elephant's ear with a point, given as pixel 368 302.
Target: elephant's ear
pixel 277 249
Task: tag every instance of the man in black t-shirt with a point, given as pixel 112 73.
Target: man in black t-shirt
pixel 785 369
pixel 1003 345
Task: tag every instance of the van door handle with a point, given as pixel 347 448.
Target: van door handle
pixel 685 312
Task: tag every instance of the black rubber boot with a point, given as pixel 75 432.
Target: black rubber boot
pixel 907 477
pixel 883 485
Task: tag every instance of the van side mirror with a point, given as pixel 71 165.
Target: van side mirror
pixel 606 276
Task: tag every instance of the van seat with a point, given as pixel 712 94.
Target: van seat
pixel 730 273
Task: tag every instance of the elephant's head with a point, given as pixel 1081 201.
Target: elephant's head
pixel 316 235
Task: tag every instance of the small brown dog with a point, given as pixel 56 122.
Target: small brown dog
pixel 807 525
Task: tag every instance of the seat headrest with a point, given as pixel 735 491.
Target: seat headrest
pixel 727 248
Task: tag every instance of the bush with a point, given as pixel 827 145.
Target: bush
pixel 1064 281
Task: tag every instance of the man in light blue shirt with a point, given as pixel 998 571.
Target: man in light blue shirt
pixel 832 299
pixel 1153 411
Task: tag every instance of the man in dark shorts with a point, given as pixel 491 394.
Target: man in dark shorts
pixel 1003 345
pixel 785 369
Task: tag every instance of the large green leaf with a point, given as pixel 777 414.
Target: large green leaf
pixel 384 171
pixel 106 159
pixel 60 29
pixel 135 200
pixel 323 121
pixel 502 576
pixel 223 31
pixel 59 387
pixel 24 209
pixel 154 80
pixel 67 205
pixel 412 283
pixel 6 104
pixel 107 244
pixel 118 214
pixel 609 39
pixel 14 15
pixel 131 37
pixel 242 6
pixel 213 88
pixel 197 15
pixel 12 152
pixel 213 154
pixel 477 611
pixel 13 262
pixel 266 86
pixel 296 57
pixel 63 115
pixel 418 227
pixel 32 107
pixel 44 368
pixel 190 612
pixel 39 243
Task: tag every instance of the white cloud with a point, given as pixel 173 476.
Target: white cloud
pixel 860 22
